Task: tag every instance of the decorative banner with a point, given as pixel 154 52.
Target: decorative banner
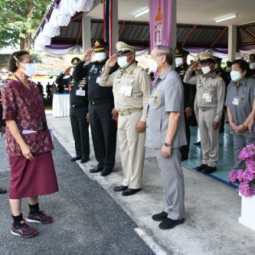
pixel 161 22
pixel 108 24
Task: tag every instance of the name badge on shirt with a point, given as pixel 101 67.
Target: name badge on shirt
pixel 155 98
pixel 98 79
pixel 236 101
pixel 125 90
pixel 80 92
pixel 207 97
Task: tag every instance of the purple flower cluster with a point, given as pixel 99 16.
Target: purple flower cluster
pixel 247 152
pixel 245 177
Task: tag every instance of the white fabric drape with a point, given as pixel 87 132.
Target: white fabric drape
pixel 50 31
pixel 83 5
pixel 77 49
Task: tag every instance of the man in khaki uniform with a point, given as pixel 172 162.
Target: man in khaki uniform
pixel 131 90
pixel 210 101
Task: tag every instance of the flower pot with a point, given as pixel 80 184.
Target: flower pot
pixel 248 212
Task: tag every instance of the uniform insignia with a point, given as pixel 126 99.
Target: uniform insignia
pixel 92 68
pixel 97 43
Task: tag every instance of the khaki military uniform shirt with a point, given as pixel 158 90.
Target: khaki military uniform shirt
pixel 210 91
pixel 131 88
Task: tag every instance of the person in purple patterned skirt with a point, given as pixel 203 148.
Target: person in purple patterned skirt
pixel 28 144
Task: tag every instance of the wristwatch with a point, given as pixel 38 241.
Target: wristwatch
pixel 167 144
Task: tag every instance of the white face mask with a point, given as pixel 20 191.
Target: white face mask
pixel 252 65
pixel 178 61
pixel 30 69
pixel 100 56
pixel 206 69
pixel 122 62
pixel 235 76
pixel 153 66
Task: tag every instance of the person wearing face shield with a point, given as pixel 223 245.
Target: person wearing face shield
pixel 165 134
pixel 131 89
pixel 181 67
pixel 78 109
pixel 239 102
pixel 210 102
pixel 252 64
pixel 101 106
pixel 28 144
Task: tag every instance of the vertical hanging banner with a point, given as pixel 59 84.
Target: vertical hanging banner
pixel 107 9
pixel 161 22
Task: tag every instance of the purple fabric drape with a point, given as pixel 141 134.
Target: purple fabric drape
pixel 160 22
pixel 59 46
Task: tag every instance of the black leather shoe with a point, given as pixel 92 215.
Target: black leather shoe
pixel 76 158
pixel 106 171
pixel 120 188
pixel 210 169
pixel 96 169
pixel 84 160
pixel 3 191
pixel 201 168
pixel 159 216
pixel 198 143
pixel 130 192
pixel 168 223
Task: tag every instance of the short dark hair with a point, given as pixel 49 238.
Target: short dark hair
pixel 12 67
pixel 243 65
pixel 168 52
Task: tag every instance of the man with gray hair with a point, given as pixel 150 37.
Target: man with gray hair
pixel 166 134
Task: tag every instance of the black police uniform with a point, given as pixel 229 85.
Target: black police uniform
pixel 189 98
pixel 101 103
pixel 78 112
pixel 226 78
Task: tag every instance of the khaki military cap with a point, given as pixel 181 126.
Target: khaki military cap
pixel 205 56
pixel 124 48
pixel 252 58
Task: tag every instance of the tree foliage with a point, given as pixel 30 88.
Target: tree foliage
pixel 19 20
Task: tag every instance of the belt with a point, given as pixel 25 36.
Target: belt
pixel 204 109
pixel 97 102
pixel 130 111
pixel 77 105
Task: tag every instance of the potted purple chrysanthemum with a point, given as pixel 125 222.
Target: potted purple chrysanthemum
pixel 246 179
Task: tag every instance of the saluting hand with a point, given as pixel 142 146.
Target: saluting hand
pixel 194 66
pixel 67 71
pixel 88 55
pixel 111 61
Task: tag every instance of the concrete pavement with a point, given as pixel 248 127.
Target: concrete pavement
pixel 212 209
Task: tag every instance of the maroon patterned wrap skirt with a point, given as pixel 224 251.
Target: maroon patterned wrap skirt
pixel 32 178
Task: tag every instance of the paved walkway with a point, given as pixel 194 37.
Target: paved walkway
pixel 212 210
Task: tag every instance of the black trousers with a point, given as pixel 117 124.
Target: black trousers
pixel 185 149
pixel 80 129
pixel 103 130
